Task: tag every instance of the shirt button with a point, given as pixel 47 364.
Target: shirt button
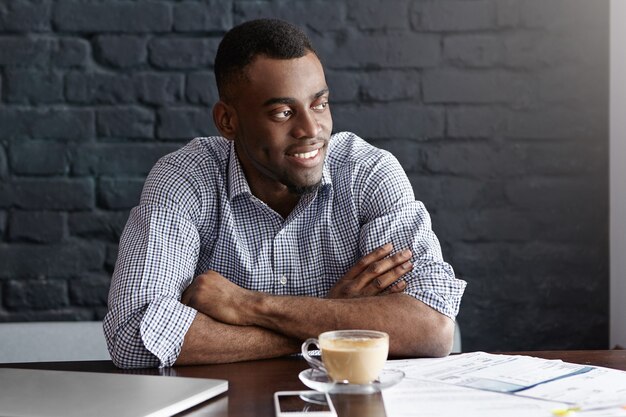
pixel 283 280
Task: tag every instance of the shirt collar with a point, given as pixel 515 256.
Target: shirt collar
pixel 238 185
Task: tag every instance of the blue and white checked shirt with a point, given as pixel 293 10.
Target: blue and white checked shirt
pixel 197 213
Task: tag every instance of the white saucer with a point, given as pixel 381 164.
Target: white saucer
pixel 319 381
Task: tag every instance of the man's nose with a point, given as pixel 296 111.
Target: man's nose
pixel 307 125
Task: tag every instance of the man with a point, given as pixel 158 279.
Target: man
pixel 244 245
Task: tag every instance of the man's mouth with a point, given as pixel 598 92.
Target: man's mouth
pixel 306 155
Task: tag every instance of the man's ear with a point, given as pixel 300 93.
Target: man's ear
pixel 225 119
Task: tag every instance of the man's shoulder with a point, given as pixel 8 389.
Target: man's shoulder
pixel 195 169
pixel 348 149
pixel 200 153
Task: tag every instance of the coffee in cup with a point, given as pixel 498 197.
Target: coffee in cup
pixel 352 356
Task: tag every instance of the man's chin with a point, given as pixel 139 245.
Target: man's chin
pixel 303 189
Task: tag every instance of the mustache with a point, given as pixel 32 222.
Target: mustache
pixel 313 143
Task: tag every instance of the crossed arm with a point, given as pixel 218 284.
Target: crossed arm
pixel 235 324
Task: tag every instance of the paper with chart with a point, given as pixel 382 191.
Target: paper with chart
pixel 599 388
pixel 492 372
pixel 482 384
pixel 421 398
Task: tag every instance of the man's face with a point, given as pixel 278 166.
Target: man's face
pixel 283 124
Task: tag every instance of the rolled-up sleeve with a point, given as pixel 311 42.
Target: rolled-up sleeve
pixel 146 322
pixel 391 214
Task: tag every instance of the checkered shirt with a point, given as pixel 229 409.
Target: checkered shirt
pixel 197 213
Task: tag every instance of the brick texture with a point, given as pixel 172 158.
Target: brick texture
pixel 37 226
pixel 497 110
pixel 114 16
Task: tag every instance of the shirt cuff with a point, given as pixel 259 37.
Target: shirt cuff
pixel 163 328
pixel 447 303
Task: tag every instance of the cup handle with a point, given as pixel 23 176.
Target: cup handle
pixel 315 364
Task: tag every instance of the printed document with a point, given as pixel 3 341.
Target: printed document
pixel 483 384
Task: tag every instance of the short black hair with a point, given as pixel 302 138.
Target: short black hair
pixel 273 38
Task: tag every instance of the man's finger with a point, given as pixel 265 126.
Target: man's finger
pixel 384 282
pixel 366 261
pixel 388 269
pixel 397 286
pixel 394 288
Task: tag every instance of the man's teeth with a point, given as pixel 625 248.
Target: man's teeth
pixel 307 155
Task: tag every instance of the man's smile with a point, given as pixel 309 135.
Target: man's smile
pixel 307 155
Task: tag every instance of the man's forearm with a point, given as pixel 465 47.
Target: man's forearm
pixel 209 341
pixel 415 329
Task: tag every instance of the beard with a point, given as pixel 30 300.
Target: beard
pixel 301 190
pixel 302 185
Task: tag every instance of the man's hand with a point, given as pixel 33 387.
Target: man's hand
pixel 374 274
pixel 218 298
pixel 224 301
pixel 284 321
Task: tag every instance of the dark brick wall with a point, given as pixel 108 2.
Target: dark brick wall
pixel 496 108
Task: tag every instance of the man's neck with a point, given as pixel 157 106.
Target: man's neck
pixel 284 208
pixel 281 201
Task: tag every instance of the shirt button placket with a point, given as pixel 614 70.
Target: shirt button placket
pixel 279 254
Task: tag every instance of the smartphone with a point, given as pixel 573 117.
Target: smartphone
pixel 303 403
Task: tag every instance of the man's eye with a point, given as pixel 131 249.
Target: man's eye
pixel 321 106
pixel 282 115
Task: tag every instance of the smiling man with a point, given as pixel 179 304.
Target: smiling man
pixel 244 245
pixel 279 101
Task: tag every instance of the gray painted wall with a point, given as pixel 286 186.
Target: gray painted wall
pixel 617 174
pixel 497 109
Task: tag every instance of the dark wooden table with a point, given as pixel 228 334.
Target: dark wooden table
pixel 252 384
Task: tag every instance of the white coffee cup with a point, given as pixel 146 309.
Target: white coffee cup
pixel 349 356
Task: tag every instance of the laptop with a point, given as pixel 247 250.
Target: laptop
pixel 34 392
